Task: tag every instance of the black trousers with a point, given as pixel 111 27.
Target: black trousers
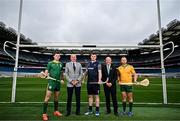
pixel 69 98
pixel 111 92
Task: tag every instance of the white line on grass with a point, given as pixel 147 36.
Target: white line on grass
pixel 87 102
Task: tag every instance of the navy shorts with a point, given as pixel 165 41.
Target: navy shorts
pixel 93 89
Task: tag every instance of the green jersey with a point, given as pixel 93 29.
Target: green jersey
pixel 55 69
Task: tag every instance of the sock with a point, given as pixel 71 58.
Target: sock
pixel 90 108
pixel 97 109
pixel 130 106
pixel 124 106
pixel 45 105
pixel 55 105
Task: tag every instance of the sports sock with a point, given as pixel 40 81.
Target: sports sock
pixel 90 108
pixel 124 106
pixel 130 106
pixel 55 105
pixel 45 105
pixel 97 109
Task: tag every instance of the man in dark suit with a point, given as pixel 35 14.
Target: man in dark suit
pixel 109 74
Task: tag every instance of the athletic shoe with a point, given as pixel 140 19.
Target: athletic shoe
pixel 88 113
pixel 68 114
pixel 97 113
pixel 122 113
pixel 130 114
pixel 45 117
pixel 78 113
pixel 116 113
pixel 57 113
pixel 108 112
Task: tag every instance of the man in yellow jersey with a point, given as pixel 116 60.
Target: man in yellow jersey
pixel 126 74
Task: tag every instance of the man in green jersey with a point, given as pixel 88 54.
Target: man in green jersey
pixel 54 70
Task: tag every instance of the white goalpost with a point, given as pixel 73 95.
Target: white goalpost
pixel 65 46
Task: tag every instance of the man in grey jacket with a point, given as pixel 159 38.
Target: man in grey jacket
pixel 73 74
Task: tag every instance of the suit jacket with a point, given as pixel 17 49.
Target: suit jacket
pixel 112 74
pixel 70 74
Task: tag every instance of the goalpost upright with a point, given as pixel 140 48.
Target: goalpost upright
pixel 163 73
pixel 17 54
pixel 160 46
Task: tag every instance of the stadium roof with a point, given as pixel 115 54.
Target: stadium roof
pixel 169 33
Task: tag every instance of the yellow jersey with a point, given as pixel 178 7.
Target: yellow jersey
pixel 125 73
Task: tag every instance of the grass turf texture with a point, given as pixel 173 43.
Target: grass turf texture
pixel 33 90
pixel 33 112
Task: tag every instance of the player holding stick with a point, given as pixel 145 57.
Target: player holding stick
pixel 94 75
pixel 125 74
pixel 54 70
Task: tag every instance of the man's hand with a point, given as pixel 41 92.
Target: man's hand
pixel 76 82
pixel 109 84
pixel 72 82
pixel 135 82
pixel 99 81
pixel 62 81
pixel 46 73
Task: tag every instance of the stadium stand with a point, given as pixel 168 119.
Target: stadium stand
pixel 140 58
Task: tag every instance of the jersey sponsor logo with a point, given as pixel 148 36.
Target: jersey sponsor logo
pixel 50 87
pixel 98 92
pixel 90 68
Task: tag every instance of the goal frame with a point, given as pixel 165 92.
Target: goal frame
pixel 160 46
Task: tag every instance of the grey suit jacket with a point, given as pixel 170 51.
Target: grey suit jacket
pixel 71 75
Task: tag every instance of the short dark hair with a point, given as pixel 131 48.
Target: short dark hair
pixel 93 54
pixel 56 52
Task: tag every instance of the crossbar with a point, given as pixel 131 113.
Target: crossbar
pixel 63 46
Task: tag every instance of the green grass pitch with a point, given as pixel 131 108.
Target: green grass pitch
pixel 33 90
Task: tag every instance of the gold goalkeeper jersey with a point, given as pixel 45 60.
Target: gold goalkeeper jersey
pixel 125 73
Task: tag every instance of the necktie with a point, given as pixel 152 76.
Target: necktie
pixel 74 67
pixel 108 68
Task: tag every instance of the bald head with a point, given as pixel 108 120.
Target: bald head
pixel 108 60
pixel 73 58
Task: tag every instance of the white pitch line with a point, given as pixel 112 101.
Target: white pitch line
pixel 87 102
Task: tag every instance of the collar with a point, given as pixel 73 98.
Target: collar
pixel 56 61
pixel 93 61
pixel 125 65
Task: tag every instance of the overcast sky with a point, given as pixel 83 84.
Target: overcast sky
pixel 88 21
